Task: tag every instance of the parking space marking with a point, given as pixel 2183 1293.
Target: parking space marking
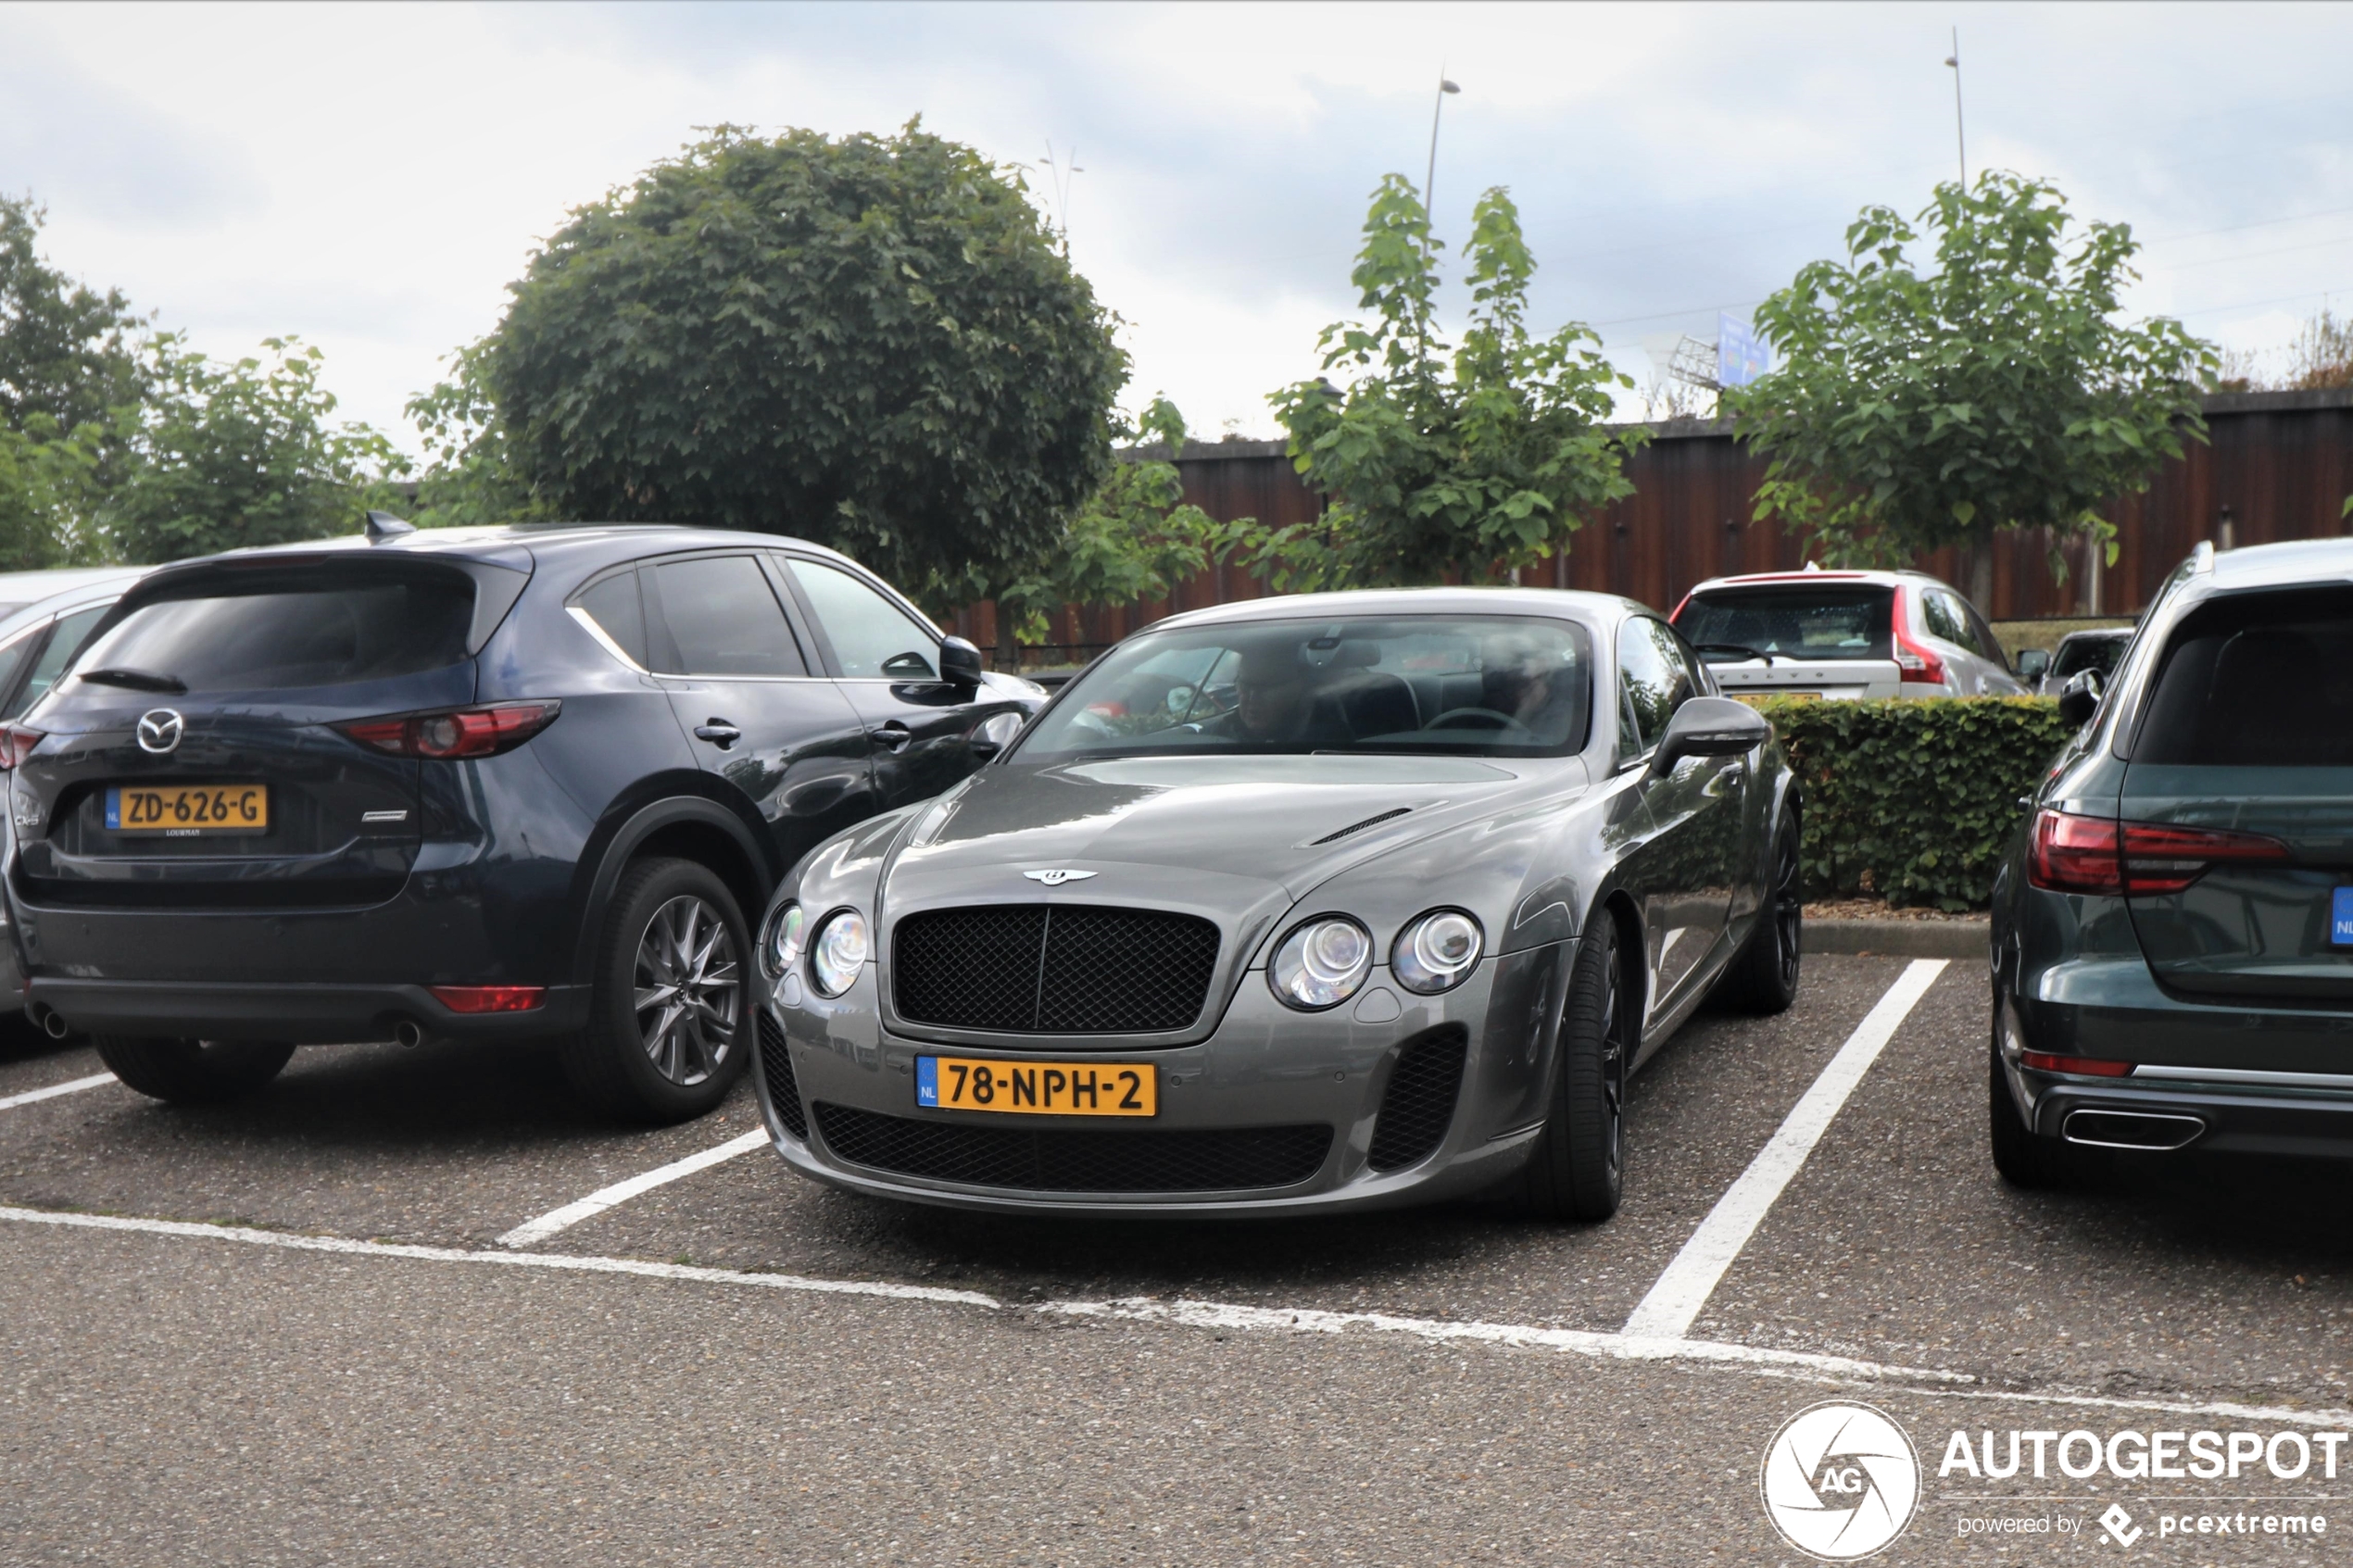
pixel 596 1202
pixel 53 1091
pixel 1215 1316
pixel 1677 1297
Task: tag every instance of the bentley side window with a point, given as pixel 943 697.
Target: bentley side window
pixel 1655 680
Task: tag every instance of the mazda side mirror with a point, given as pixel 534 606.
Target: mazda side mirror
pixel 1711 726
pixel 2080 698
pixel 2034 663
pixel 958 662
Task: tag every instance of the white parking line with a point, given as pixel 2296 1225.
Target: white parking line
pixel 596 1202
pixel 1219 1317
pixel 53 1091
pixel 1674 1302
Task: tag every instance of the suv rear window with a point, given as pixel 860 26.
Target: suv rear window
pixel 282 631
pixel 1799 620
pixel 2256 681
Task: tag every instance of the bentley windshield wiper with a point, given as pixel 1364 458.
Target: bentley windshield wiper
pixel 137 679
pixel 1740 648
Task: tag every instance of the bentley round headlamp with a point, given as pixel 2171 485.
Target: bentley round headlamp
pixel 782 939
pixel 840 952
pixel 1436 951
pixel 1321 964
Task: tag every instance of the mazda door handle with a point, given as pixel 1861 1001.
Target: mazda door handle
pixel 720 733
pixel 892 736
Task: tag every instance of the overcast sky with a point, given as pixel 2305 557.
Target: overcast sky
pixel 372 177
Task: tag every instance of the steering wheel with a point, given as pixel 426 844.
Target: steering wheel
pixel 1476 718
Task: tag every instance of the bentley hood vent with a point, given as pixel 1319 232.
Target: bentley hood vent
pixel 1359 827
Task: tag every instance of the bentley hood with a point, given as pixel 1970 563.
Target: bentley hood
pixel 1232 838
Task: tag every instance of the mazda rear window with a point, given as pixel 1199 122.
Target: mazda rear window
pixel 1798 621
pixel 2256 681
pixel 284 630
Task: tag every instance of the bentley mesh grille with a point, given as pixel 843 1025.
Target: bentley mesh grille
pixel 1419 1104
pixel 783 1089
pixel 1052 969
pixel 1076 1159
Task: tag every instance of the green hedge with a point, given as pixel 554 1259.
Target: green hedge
pixel 1914 800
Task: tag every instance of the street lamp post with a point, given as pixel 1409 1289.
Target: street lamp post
pixel 1960 136
pixel 1430 180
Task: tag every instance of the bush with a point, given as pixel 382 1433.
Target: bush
pixel 1915 801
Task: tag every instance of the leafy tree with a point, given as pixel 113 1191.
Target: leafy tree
pixel 1134 538
pixel 47 488
pixel 68 353
pixel 469 476
pixel 874 342
pixel 1997 390
pixel 229 455
pixel 1477 462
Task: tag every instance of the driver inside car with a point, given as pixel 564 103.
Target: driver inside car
pixel 1277 704
pixel 1527 683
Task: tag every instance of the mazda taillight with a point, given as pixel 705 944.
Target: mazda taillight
pixel 2072 854
pixel 16 742
pixel 455 733
pixel 489 998
pixel 1916 661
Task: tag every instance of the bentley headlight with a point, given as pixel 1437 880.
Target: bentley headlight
pixel 783 938
pixel 1436 951
pixel 840 952
pixel 1321 964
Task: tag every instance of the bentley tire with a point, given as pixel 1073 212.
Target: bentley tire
pixel 1762 978
pixel 191 1071
pixel 1578 1170
pixel 669 1024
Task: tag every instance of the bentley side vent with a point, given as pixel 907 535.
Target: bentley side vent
pixel 1359 827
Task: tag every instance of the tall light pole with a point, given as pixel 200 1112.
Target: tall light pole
pixel 1960 137
pixel 1430 180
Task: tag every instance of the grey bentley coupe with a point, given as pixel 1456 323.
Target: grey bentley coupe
pixel 1335 901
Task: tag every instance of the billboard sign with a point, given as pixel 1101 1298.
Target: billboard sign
pixel 1740 358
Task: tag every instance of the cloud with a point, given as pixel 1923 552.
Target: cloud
pixel 372 177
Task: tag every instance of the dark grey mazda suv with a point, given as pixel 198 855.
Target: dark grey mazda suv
pixel 466 784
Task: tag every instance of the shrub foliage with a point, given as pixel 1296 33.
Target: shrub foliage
pixel 1915 801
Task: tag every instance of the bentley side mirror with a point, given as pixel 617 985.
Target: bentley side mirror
pixel 958 662
pixel 2034 663
pixel 1711 726
pixel 2080 698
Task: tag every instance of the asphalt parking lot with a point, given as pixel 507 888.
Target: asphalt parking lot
pixel 288 1331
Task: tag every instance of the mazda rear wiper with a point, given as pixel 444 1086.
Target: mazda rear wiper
pixel 137 679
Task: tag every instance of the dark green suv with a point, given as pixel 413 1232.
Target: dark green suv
pixel 2173 930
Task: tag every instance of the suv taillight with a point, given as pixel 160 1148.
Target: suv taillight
pixel 16 742
pixel 1915 661
pixel 455 733
pixel 2072 854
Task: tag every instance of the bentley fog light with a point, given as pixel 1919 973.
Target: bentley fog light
pixel 1436 951
pixel 782 939
pixel 1322 963
pixel 840 952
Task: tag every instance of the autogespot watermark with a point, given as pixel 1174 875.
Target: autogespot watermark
pixel 1842 1481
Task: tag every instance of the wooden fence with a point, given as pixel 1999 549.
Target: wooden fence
pixel 2278 465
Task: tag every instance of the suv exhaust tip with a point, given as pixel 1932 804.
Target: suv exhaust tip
pixel 2132 1129
pixel 409 1032
pixel 53 1022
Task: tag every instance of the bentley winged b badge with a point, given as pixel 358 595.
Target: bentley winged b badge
pixel 1056 877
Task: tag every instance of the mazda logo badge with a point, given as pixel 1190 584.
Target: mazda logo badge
pixel 1056 877
pixel 159 730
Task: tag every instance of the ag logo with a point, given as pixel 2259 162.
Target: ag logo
pixel 159 730
pixel 1840 1481
pixel 1056 877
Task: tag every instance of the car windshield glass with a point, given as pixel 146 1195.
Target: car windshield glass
pixel 2257 681
pixel 282 631
pixel 1474 685
pixel 1799 620
pixel 2079 654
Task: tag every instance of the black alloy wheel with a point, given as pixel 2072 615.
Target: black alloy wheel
pixel 1762 978
pixel 668 1029
pixel 191 1071
pixel 1578 1169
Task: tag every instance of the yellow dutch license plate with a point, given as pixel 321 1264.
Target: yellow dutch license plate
pixel 188 810
pixel 1037 1088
